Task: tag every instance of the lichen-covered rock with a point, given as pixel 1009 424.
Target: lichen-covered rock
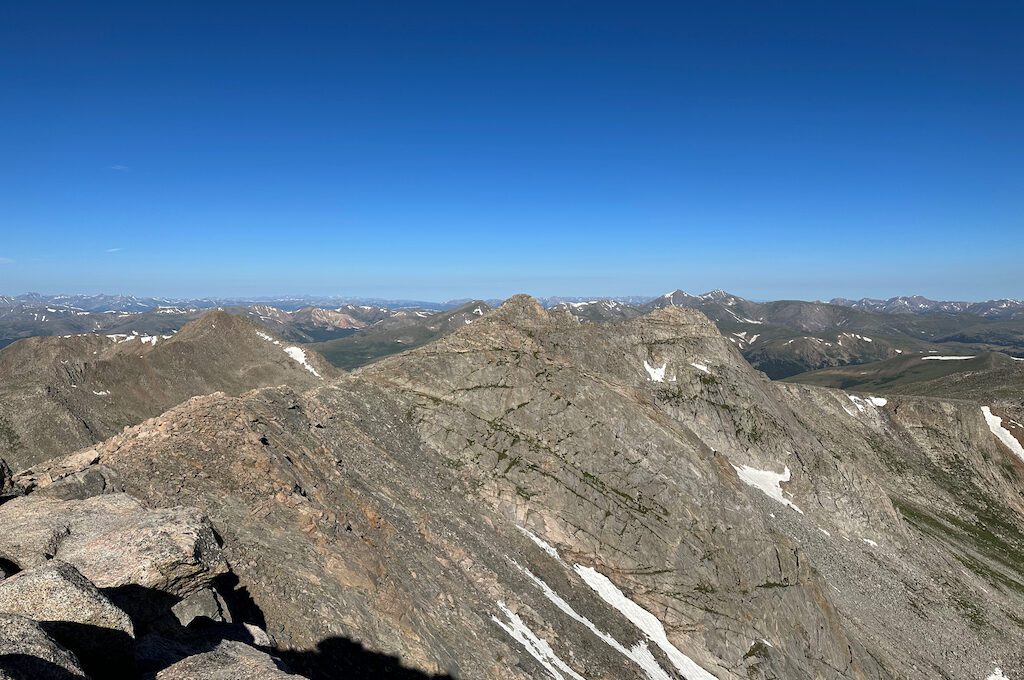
pixel 56 591
pixel 28 653
pixel 114 541
pixel 228 661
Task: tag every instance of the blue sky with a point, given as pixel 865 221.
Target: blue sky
pixel 440 149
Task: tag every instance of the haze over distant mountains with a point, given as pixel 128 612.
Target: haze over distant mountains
pixel 913 304
pixel 782 338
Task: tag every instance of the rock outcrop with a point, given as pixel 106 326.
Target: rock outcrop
pixel 108 588
pixel 75 613
pixel 114 541
pixel 227 661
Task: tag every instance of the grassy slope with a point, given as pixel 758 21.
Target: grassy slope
pixel 989 376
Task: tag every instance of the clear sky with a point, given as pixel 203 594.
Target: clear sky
pixel 435 149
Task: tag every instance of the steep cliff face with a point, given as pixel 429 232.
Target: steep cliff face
pixel 531 496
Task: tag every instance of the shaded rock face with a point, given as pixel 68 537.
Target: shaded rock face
pixel 28 653
pixel 6 486
pixel 536 497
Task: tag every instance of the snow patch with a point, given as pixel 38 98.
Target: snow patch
pixel 544 545
pixel 700 367
pixel 946 358
pixel 267 337
pixel 861 403
pixel 638 653
pixel 655 374
pixel 298 355
pixel 767 482
pixel 995 424
pixel 644 620
pixel 537 647
pixel 997 674
pixel 101 393
pixel 870 542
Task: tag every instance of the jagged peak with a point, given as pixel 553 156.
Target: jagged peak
pixel 521 306
pixel 716 294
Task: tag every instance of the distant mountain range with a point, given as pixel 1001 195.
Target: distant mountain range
pixel 781 338
pixel 1003 308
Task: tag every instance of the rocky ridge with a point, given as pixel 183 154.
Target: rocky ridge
pixel 532 496
pixel 58 394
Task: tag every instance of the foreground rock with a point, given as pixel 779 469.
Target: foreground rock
pixel 28 653
pixel 153 599
pixel 114 541
pixel 77 615
pixel 56 591
pixel 228 661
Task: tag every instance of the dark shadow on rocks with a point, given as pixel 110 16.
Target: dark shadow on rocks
pixel 339 657
pixel 102 652
pixel 241 606
pixel 162 641
pixel 8 568
pixel 146 607
pixel 28 667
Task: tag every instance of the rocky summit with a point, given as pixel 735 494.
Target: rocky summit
pixel 529 496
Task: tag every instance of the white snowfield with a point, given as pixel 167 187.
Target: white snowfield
pixel 946 358
pixel 655 374
pixel 995 423
pixel 700 367
pixel 767 482
pixel 997 674
pixel 298 355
